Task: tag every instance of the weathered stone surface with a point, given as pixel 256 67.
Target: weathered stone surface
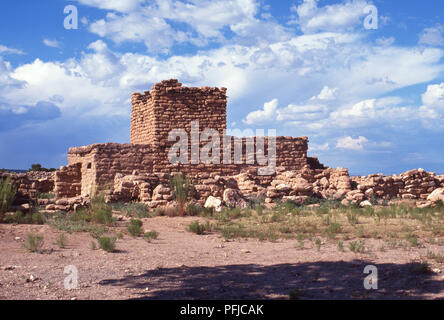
pixel 437 195
pixel 365 203
pixel 214 203
pixel 140 170
pixel 234 199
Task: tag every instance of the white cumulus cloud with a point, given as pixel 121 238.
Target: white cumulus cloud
pixel 350 143
pixel 433 36
pixel 335 17
pixel 267 114
pixel 51 43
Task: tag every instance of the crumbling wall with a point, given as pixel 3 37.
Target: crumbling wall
pixel 68 181
pixel 30 184
pixel 99 163
pixel 414 184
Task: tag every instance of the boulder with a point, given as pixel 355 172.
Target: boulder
pixel 365 203
pixel 424 204
pixel 233 198
pixel 213 202
pixel 436 195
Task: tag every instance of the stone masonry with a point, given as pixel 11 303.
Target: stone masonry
pixel 140 170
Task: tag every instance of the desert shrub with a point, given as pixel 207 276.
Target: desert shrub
pixel 318 244
pixel 132 209
pixel 81 215
pixel 159 212
pixel 38 218
pixel 352 218
pixel 150 235
pixel 193 209
pixel 357 246
pixel 96 231
pixel 198 228
pixel 119 235
pixel 341 246
pixel 259 209
pixel 412 239
pixel 7 195
pixel 29 218
pixel 167 211
pixel 107 243
pixel 103 216
pixel 435 256
pixel 98 201
pixel 135 227
pixel 34 242
pixel 285 207
pixel 181 187
pixel 233 231
pixel 333 229
pixel 77 222
pixel 62 240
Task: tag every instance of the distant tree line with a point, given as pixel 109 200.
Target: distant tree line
pixel 38 167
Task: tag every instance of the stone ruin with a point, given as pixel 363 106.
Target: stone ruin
pixel 140 170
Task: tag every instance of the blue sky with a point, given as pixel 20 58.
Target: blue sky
pixel 371 100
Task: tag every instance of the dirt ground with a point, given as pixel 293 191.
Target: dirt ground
pixel 183 265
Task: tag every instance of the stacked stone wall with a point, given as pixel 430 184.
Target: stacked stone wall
pixel 30 184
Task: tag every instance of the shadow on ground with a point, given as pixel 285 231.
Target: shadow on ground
pixel 317 280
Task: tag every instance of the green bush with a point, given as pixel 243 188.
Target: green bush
pixel 181 188
pixel 38 218
pixel 34 242
pixel 7 195
pixel 198 228
pixel 357 246
pixel 81 215
pixel 193 209
pixel 135 227
pixel 62 240
pixel 28 218
pixel 151 235
pixel 107 243
pixel 103 216
pixel 132 209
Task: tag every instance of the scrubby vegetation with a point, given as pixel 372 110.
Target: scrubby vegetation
pixel 34 242
pixel 398 225
pixel 62 241
pixel 107 243
pixel 150 235
pixel 7 196
pixel 181 188
pixel 198 228
pixel 135 228
pixel 32 217
pixel 133 209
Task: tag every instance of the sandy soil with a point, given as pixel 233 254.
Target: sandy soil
pixel 182 265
